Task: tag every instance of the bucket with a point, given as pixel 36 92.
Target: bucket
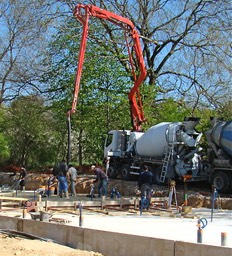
pixel 45 216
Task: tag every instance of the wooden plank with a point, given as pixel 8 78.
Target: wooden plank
pixel 4 198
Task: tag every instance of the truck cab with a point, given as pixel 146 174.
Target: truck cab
pixel 116 143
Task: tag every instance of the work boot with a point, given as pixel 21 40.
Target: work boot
pixel 60 195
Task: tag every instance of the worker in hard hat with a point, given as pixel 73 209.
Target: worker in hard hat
pixel 102 180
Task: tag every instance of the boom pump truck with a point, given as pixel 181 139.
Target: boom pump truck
pixel 169 149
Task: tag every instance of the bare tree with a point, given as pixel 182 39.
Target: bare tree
pixel 186 45
pixel 25 30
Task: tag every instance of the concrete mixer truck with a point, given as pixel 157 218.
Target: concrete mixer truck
pixel 219 154
pixel 170 150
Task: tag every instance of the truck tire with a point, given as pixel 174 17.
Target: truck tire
pixel 112 173
pixel 221 181
pixel 156 177
pixel 125 172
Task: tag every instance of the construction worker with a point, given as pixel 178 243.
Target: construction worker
pixel 102 178
pixel 62 178
pixel 22 176
pixel 145 183
pixel 72 175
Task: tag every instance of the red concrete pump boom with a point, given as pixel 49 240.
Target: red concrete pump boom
pixel 82 13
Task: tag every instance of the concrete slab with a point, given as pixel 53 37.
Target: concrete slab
pixel 178 229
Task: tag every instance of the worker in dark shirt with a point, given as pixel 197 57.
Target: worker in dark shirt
pixel 145 182
pixel 101 177
pixel 22 177
pixel 62 179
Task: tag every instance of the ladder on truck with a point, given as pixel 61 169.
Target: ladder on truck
pixel 168 157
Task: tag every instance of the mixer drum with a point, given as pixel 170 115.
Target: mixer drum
pixel 154 141
pixel 222 136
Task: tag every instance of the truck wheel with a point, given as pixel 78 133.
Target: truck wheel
pixel 221 182
pixel 156 177
pixel 125 172
pixel 112 173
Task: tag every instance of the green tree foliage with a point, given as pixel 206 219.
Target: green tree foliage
pixel 103 105
pixel 33 141
pixel 170 111
pixel 226 110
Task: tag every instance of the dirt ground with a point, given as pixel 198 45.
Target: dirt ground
pixel 199 194
pixel 14 245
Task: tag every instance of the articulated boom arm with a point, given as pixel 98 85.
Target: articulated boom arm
pixel 82 13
